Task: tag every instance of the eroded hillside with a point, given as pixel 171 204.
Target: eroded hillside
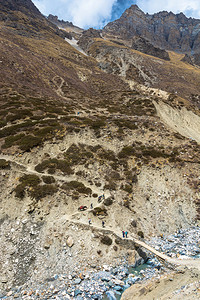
pixel 71 133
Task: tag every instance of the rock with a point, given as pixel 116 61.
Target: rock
pixel 143 45
pixel 9 293
pixel 105 279
pixel 70 242
pixel 4 280
pixel 118 288
pixel 111 295
pixel 77 292
pixel 47 246
pixel 77 281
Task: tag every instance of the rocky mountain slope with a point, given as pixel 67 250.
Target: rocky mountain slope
pixel 70 132
pixel 157 68
pixel 163 29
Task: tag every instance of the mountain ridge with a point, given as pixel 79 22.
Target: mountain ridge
pixel 165 30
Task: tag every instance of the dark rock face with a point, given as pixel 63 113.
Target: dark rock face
pixel 26 19
pixel 54 19
pixel 187 59
pixel 164 30
pixel 87 38
pixel 143 45
pixel 25 6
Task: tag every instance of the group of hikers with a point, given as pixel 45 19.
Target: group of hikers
pixel 125 234
pixel 90 222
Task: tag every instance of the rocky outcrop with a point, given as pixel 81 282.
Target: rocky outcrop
pixel 164 30
pixel 23 16
pixel 87 38
pixel 69 27
pixel 143 45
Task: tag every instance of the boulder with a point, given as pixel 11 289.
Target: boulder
pixel 70 242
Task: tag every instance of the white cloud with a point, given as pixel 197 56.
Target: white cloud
pixel 96 13
pixel 83 13
pixel 191 8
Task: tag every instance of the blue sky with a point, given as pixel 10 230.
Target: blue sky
pixel 96 13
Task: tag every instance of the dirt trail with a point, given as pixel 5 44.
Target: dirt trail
pixel 190 263
pixel 30 169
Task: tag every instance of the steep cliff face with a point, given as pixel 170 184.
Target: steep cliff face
pixel 164 30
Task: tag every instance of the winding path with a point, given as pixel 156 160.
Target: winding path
pixel 190 263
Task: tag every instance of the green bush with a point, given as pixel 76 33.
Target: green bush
pixel 127 188
pixel 30 180
pixel 4 164
pixel 99 211
pixel 20 190
pixel 48 179
pixel 106 154
pixel 77 155
pixel 140 234
pixel 28 142
pixel 110 185
pixel 43 190
pixel 126 152
pixel 54 164
pixel 77 186
pixel 11 140
pixel 106 240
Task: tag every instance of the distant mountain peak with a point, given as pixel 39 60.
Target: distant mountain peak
pixel 165 30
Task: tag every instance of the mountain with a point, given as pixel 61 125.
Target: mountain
pixel 164 30
pixel 115 129
pixel 65 25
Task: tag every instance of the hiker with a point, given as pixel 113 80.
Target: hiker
pixel 126 234
pixel 103 224
pixel 123 233
pixel 89 221
pixel 91 206
pixel 103 197
pixel 99 198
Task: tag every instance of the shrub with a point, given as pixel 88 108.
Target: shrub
pixel 106 240
pixel 4 164
pixel 11 140
pixel 126 152
pixel 108 201
pixel 107 155
pixel 30 180
pixel 43 190
pixel 20 190
pixel 77 155
pixel 134 223
pixel 29 141
pixel 48 179
pixel 140 234
pixel 110 186
pixel 78 186
pixel 2 123
pixel 126 123
pixel 99 211
pixel 53 164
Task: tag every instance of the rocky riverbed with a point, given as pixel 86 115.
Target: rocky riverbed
pixel 109 281
pixel 106 282
pixel 185 243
